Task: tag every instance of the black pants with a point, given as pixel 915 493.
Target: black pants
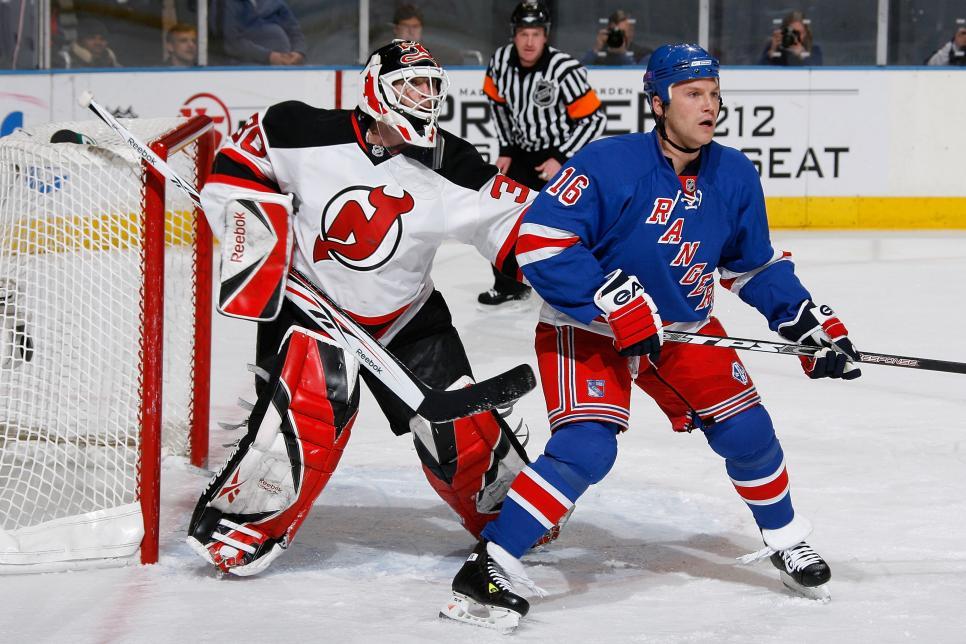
pixel 428 345
pixel 521 170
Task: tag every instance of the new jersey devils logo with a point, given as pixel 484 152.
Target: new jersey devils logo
pixel 362 227
pixel 415 53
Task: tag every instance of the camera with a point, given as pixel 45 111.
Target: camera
pixel 789 37
pixel 615 38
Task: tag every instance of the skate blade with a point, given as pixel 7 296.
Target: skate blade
pixel 463 609
pixel 818 593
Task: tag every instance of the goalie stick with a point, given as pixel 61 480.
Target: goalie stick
pixel 435 405
pixel 764 346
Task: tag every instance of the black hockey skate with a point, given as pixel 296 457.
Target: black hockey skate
pixel 803 571
pixel 494 297
pixel 483 596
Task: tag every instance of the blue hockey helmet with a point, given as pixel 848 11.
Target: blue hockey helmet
pixel 672 64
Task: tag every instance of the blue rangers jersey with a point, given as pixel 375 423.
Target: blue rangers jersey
pixel 618 203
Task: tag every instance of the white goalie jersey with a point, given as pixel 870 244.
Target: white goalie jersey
pixel 367 223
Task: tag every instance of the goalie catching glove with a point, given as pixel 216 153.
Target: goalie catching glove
pixel 632 316
pixel 818 326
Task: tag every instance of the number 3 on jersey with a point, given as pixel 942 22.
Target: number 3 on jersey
pixel 567 189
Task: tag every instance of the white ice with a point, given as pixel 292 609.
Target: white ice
pixel 878 465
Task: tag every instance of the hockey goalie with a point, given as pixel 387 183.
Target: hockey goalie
pixel 356 203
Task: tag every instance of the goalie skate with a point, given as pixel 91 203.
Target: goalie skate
pixel 237 548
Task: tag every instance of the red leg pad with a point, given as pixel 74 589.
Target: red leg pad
pixel 485 467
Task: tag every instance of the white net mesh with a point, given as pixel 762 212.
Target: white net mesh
pixel 70 320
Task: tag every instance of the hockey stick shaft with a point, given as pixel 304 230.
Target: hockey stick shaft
pixel 865 357
pixel 87 100
pixel 432 404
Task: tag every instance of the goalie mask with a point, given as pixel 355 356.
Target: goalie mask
pixel 403 89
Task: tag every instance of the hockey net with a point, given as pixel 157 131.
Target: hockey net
pixel 87 403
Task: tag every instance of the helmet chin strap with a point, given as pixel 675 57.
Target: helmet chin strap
pixel 680 148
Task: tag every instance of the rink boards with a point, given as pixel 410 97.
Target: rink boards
pixel 836 147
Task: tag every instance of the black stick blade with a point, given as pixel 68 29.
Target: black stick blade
pixel 499 391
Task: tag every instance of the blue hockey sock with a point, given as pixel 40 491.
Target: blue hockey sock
pixel 756 464
pixel 576 456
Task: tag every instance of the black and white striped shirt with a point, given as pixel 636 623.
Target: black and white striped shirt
pixel 550 106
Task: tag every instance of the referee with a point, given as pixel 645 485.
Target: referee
pixel 545 110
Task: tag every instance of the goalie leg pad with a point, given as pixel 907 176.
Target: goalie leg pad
pixel 251 510
pixel 470 462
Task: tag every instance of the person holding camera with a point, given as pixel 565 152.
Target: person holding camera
pixel 791 44
pixel 615 43
pixel 954 51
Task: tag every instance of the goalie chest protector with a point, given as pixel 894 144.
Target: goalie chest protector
pixel 368 222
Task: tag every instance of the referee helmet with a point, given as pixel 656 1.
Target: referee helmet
pixel 530 14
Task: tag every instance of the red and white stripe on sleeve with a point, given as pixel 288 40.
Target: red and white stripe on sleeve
pixel 537 243
pixel 735 281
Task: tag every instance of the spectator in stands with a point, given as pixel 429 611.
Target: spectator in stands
pixel 181 45
pixel 954 51
pixel 615 43
pixel 261 32
pixel 91 49
pixel 791 44
pixel 407 23
pixel 134 26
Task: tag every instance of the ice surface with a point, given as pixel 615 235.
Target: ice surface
pixel 878 465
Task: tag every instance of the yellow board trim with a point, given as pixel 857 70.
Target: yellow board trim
pixel 893 213
pixel 58 234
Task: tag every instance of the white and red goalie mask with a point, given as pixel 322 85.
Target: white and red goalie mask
pixel 403 87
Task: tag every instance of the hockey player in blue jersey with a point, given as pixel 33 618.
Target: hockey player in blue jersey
pixel 623 242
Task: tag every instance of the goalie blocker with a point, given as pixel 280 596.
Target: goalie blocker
pixel 251 510
pixel 256 253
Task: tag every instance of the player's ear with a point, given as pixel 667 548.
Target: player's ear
pixel 657 106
